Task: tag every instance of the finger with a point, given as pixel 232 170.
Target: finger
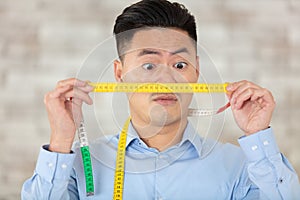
pixel 257 96
pixel 241 87
pixel 71 81
pixel 230 88
pixel 233 86
pixel 250 94
pixel 71 100
pixel 77 102
pixel 228 94
pixel 56 93
pixel 76 93
pixel 74 107
pixel 266 99
pixel 87 88
pixel 263 95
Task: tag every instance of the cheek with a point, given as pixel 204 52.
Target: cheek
pixel 138 99
pixel 186 100
pixel 189 97
pixel 192 75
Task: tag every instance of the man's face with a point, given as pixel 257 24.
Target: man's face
pixel 161 56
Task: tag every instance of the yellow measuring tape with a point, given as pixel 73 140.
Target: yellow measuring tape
pixel 120 161
pixel 147 88
pixel 160 87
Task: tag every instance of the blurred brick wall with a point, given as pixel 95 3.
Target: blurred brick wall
pixel 43 41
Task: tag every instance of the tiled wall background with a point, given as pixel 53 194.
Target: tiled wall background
pixel 44 41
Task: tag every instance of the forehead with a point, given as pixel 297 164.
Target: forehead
pixel 163 39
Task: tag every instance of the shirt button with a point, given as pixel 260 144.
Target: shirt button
pixel 254 147
pixel 64 166
pixel 281 180
pixel 50 165
pixel 266 142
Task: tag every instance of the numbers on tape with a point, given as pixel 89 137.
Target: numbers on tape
pixel 160 87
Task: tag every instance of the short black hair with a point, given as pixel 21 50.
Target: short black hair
pixel 152 13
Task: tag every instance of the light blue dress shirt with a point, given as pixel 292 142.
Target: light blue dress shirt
pixel 257 170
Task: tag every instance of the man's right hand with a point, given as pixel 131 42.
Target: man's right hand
pixel 64 112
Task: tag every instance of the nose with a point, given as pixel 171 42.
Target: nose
pixel 165 74
pixel 168 74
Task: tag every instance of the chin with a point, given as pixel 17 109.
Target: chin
pixel 164 118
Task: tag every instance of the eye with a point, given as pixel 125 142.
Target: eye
pixel 148 66
pixel 180 65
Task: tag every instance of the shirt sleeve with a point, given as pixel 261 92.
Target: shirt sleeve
pixel 52 178
pixel 267 168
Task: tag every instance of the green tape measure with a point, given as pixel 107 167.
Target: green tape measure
pixel 88 171
pixel 86 160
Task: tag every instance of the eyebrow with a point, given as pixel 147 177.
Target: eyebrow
pixel 181 50
pixel 147 52
pixel 152 51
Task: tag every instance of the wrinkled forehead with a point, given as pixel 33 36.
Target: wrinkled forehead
pixel 161 39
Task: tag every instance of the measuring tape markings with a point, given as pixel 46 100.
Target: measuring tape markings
pixel 139 88
pixel 160 87
pixel 120 160
pixel 86 159
pixel 88 171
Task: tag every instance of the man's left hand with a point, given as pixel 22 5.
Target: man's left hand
pixel 252 106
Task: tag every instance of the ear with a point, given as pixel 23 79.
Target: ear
pixel 198 66
pixel 118 70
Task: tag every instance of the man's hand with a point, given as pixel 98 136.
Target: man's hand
pixel 252 106
pixel 64 112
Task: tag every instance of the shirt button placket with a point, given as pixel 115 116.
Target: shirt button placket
pixel 155 179
pixel 160 158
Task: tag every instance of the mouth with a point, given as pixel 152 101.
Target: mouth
pixel 165 99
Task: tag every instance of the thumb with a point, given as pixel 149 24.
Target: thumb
pixel 229 95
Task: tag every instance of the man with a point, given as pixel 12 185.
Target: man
pixel 162 149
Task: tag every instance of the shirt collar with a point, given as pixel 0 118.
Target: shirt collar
pixel 190 135
pixel 131 135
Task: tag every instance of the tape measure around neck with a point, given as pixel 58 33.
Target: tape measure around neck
pixel 160 87
pixel 120 161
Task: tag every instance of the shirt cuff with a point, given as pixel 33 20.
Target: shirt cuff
pixel 259 145
pixel 52 165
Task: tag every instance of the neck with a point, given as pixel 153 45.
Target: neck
pixel 161 137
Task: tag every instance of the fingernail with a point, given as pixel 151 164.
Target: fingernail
pixel 79 83
pixel 90 87
pixel 229 87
